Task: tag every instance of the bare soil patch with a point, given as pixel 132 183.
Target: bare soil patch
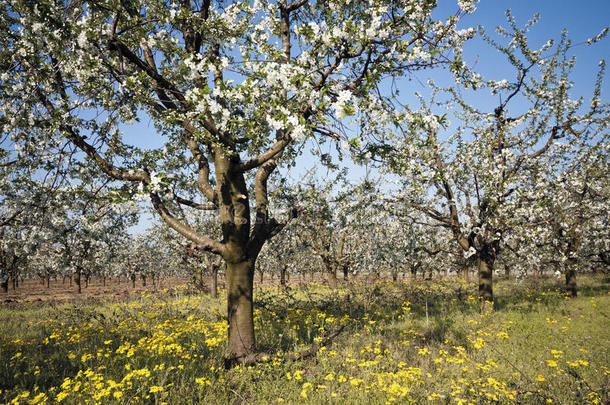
pixel 60 291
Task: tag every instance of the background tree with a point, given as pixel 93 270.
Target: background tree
pixel 472 180
pixel 328 224
pixel 570 209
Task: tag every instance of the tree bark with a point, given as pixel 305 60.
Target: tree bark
pixel 283 276
pixel 485 263
pixel 571 287
pixel 214 285
pixel 4 286
pixel 240 286
pixel 332 277
pixel 198 282
pixel 77 280
pixel 466 272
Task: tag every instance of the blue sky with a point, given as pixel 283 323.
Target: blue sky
pixel 583 20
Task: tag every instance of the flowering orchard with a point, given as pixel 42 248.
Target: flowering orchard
pixel 196 112
pixel 232 90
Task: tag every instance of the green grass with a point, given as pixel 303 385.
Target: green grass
pixel 402 342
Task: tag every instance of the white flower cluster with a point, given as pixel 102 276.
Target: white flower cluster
pixel 467 6
pixel 155 182
pixel 343 99
pixel 472 251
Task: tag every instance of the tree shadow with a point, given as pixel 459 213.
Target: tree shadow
pixel 432 304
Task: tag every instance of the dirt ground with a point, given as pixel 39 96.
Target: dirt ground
pixel 60 291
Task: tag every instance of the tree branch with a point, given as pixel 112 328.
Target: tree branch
pixel 193 204
pixel 203 242
pixel 275 149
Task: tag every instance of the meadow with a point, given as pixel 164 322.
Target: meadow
pixel 403 342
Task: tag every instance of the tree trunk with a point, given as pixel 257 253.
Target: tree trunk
pixel 283 276
pixel 332 277
pixel 485 262
pixel 214 286
pixel 48 279
pixel 143 281
pixel 77 280
pixel 466 272
pixel 133 281
pixel 104 281
pixel 571 281
pixel 345 272
pixel 198 282
pixel 4 286
pixel 14 283
pixel 394 276
pixel 240 286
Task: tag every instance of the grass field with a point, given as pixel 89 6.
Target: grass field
pixel 402 342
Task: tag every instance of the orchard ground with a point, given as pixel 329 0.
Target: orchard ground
pixel 402 342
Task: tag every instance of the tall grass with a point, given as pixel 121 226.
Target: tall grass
pixel 402 342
